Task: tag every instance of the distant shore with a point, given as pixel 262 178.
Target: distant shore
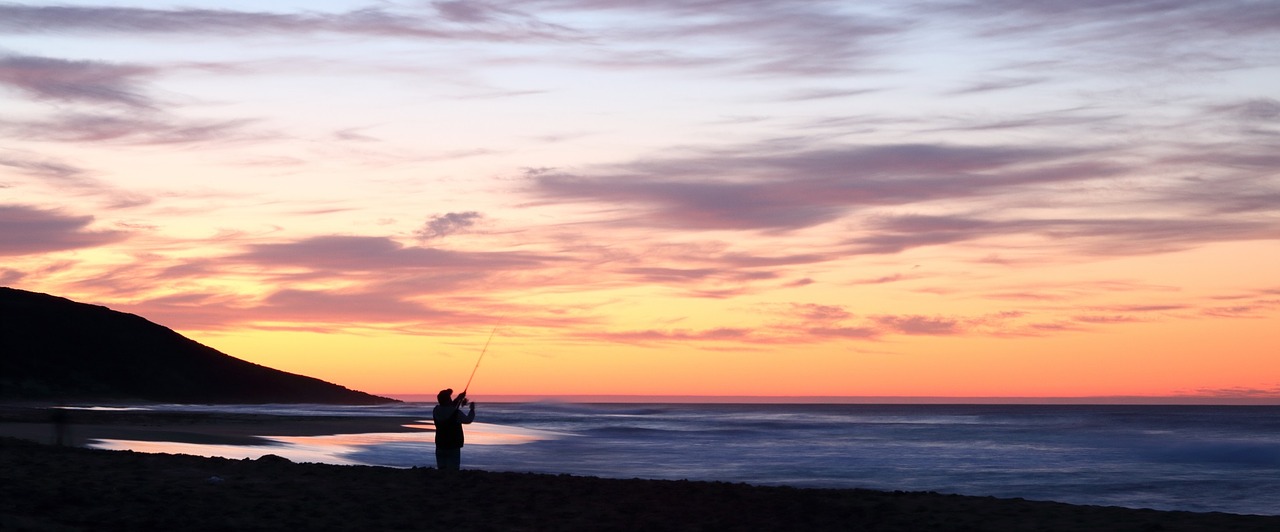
pixel 47 487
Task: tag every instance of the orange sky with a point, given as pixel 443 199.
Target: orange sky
pixel 961 199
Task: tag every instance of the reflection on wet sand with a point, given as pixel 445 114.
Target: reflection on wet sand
pixel 327 449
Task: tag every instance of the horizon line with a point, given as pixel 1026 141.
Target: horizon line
pixel 1171 400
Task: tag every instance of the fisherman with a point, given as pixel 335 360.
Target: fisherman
pixel 449 419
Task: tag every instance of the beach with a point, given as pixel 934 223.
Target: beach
pixel 47 487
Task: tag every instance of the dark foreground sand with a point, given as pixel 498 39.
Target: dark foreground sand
pixel 45 487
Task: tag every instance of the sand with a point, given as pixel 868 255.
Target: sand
pixel 46 487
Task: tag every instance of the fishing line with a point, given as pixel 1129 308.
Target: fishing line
pixel 482 352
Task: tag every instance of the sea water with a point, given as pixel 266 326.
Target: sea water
pixel 1195 458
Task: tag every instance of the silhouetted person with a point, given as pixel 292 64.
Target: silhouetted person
pixel 449 419
pixel 58 415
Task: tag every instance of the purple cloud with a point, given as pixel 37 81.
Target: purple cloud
pixel 798 38
pixel 44 168
pixel 75 81
pixel 788 190
pixel 447 224
pixel 1122 236
pixel 377 254
pixel 1252 110
pixel 141 129
pixel 370 22
pixel 10 277
pixel 1150 34
pixel 28 230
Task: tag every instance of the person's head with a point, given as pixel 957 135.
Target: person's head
pixel 445 396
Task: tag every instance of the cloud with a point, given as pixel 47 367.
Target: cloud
pixel 44 168
pixel 1149 34
pixel 75 81
pixel 307 310
pixel 811 38
pixel 745 189
pixel 920 325
pixel 443 225
pixel 26 230
pixel 824 94
pixel 311 306
pixel 775 38
pixel 69 180
pixel 991 85
pixel 1103 236
pixel 848 333
pixel 10 277
pixel 149 129
pixel 378 254
pixel 124 112
pixel 886 279
pixel 464 11
pixel 813 312
pixel 657 275
pixel 1252 110
pixel 364 22
pixel 1241 392
pixel 651 336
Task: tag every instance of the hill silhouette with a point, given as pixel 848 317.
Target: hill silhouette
pixel 53 348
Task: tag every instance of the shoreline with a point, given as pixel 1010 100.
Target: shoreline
pixel 70 488
pixel 1086 400
pixel 41 424
pixel 125 489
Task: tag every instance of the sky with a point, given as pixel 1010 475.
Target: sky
pixel 956 198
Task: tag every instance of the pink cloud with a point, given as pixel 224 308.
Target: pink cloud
pixel 28 230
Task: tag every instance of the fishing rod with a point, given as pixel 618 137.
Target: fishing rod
pixel 482 352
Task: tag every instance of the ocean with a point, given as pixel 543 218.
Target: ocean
pixel 1194 458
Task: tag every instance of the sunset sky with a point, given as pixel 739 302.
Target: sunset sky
pixel 699 197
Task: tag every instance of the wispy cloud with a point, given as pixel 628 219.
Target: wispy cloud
pixel 1117 236
pixel 68 179
pixel 76 81
pixel 127 129
pixel 378 254
pixel 1264 110
pixel 41 167
pixel 502 25
pixel 99 101
pixel 1148 35
pixel 656 336
pixel 788 190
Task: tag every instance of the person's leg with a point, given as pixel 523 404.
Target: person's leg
pixel 448 459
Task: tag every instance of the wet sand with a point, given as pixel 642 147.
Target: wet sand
pixel 39 423
pixel 45 487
